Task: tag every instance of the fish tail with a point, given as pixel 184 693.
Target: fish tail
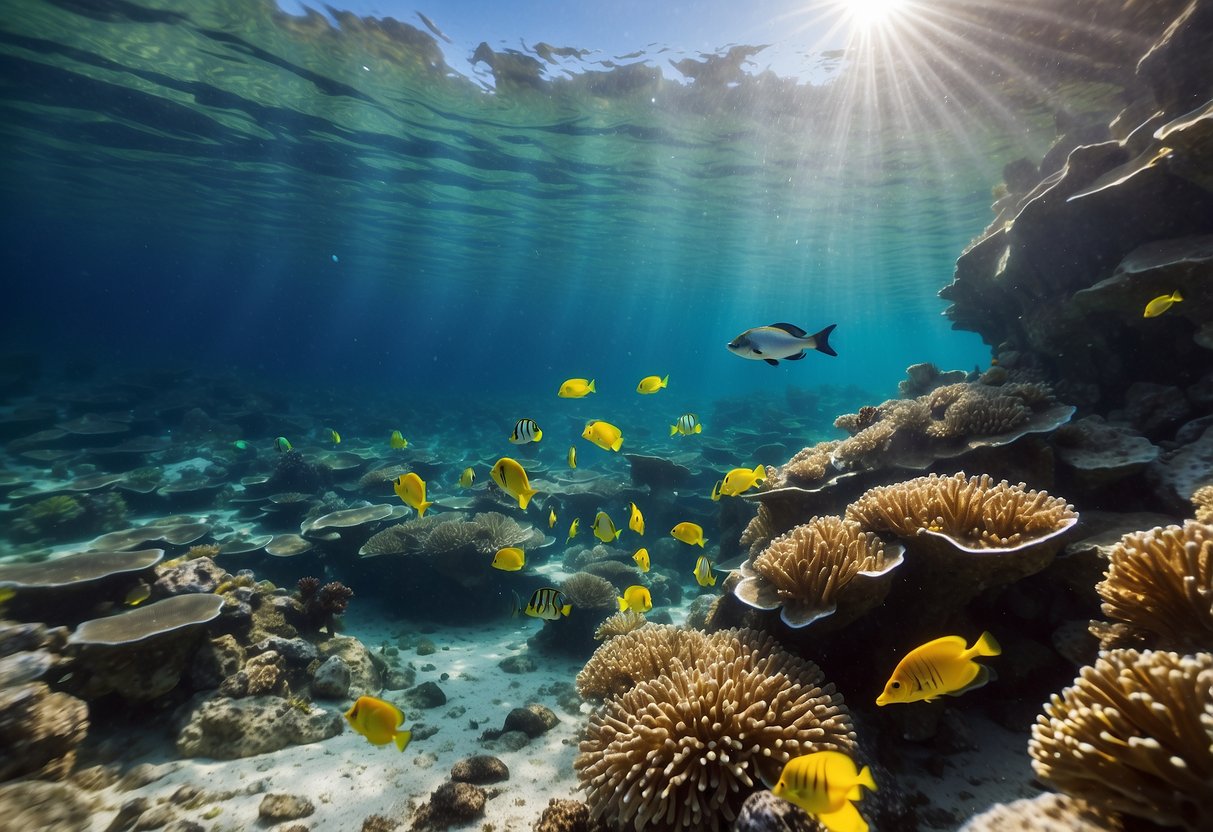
pixel 591 387
pixel 617 444
pixel 673 429
pixel 566 609
pixel 623 605
pixel 986 646
pixel 821 340
pixel 760 473
pixel 517 606
pixel 699 428
pixel 865 779
pixel 1176 297
pixel 700 542
pixel 617 533
pixel 525 497
pixel 421 507
pixel 402 739
pixel 665 381
pixel 538 435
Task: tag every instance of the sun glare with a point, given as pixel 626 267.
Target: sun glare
pixel 865 13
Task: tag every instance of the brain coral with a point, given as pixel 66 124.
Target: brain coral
pixel 682 749
pixel 1135 735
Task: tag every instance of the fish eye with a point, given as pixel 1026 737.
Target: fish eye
pixel 896 685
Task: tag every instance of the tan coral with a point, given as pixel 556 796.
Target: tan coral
pixel 806 467
pixel 1160 583
pixel 828 567
pixel 589 592
pixel 682 749
pixel 1048 812
pixel 619 624
pixel 623 661
pixel 1203 500
pixel 758 532
pixel 1134 735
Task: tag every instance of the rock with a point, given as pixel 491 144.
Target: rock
pixel 424 696
pixel 296 651
pixel 764 812
pixel 425 647
pixel 192 576
pixel 480 769
pixel 39 731
pixel 96 777
pixel 276 807
pixel 379 823
pixel 1155 409
pixel 365 677
pixel 217 659
pixel 400 679
pixel 227 729
pixel 1176 68
pixel 154 818
pixel 1176 475
pixel 451 804
pixel 507 741
pixel 265 673
pixel 518 664
pixel 184 826
pixel 144 774
pixel 19 638
pixel 533 720
pixel 19 668
pixel 1099 453
pixel 568 816
pixel 30 805
pixel 332 679
pixel 128 813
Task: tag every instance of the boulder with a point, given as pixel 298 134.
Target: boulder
pixel 228 729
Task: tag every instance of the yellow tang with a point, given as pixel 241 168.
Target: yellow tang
pixel 716 491
pixel 635 598
pixel 335 436
pixel 636 521
pixel 575 388
pixel 703 572
pixel 511 479
pixel 604 528
pixel 509 559
pixel 282 444
pixel 138 594
pixel 742 479
pixel 1161 304
pixel 651 384
pixel 378 721
pixel 551 517
pixel 642 559
pixel 689 533
pixel 467 478
pixel 411 489
pixel 573 529
pixel 572 457
pixel 546 603
pixel 824 784
pixel 603 434
pixel 397 441
pixel 942 666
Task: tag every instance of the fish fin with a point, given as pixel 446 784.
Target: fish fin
pixel 673 429
pixel 591 387
pixel 666 381
pixel 845 819
pixel 760 473
pixel 402 739
pixel 822 340
pixel 699 428
pixel 623 605
pixel 771 361
pixel 538 435
pixel 790 329
pixel 795 357
pixel 617 533
pixel 984 676
pixel 517 608
pixel 712 581
pixel 566 609
pixel 986 646
pixel 700 543
pixel 421 509
pixel 525 497
pixel 617 444
pixel 866 779
pixel 855 793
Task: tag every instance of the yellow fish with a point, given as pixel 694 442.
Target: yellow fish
pixel 604 528
pixel 703 572
pixel 509 559
pixel 941 666
pixel 716 491
pixel 7 593
pixel 467 478
pixel 511 479
pixel 651 384
pixel 603 434
pixel 824 784
pixel 551 517
pixel 525 430
pixel 572 457
pixel 742 479
pixel 546 603
pixel 138 594
pixel 575 388
pixel 689 533
pixel 687 424
pixel 378 721
pixel 397 441
pixel 335 436
pixel 636 521
pixel 642 559
pixel 410 488
pixel 573 529
pixel 282 444
pixel 1161 304
pixel 635 598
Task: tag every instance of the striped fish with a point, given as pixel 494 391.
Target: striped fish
pixel 687 424
pixel 942 666
pixel 526 431
pixel 546 603
pixel 824 784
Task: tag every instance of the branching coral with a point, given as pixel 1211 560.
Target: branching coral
pixel 818 568
pixel 406 538
pixel 632 657
pixel 619 624
pixel 1135 735
pixel 758 532
pixel 588 592
pixel 1048 812
pixel 322 603
pixel 681 749
pixel 806 467
pixel 1160 583
pixel 485 533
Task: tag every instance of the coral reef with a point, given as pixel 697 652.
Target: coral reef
pixel 1044 813
pixel 619 624
pixel 1203 500
pixel 63 518
pixel 321 604
pixel 588 592
pixel 1134 735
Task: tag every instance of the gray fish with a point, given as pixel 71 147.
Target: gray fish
pixel 786 341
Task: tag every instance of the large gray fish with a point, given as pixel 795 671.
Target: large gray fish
pixel 786 341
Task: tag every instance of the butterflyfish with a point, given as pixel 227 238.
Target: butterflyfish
pixel 603 434
pixel 703 572
pixel 642 559
pixel 786 341
pixel 509 559
pixel 635 598
pixel 511 479
pixel 467 478
pixel 942 666
pixel 825 784
pixel 575 388
pixel 547 603
pixel 687 424
pixel 651 384
pixel 378 721
pixel 335 436
pixel 636 520
pixel 740 480
pixel 576 524
pixel 525 430
pixel 138 594
pixel 572 457
pixel 282 444
pixel 410 488
pixel 604 528
pixel 397 441
pixel 689 533
pixel 1161 304
pixel 551 517
pixel 716 491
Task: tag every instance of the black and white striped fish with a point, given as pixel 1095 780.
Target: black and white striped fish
pixel 687 424
pixel 546 603
pixel 526 431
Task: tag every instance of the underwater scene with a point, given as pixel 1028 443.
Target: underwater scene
pixel 624 417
